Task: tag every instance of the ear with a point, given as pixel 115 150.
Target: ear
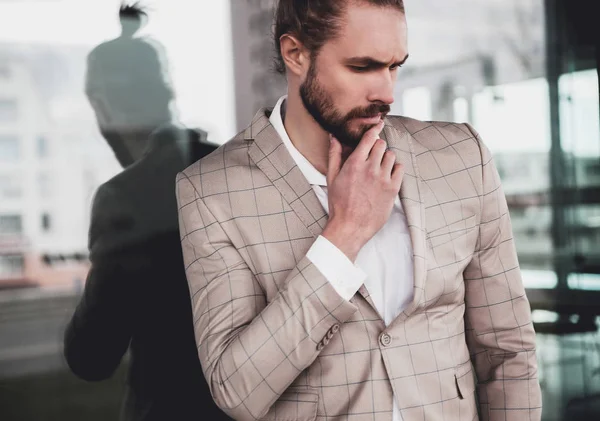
pixel 295 56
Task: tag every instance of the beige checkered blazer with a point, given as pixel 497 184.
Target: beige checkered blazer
pixel 275 340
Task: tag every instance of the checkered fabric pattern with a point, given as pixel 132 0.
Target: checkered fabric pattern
pixel 275 340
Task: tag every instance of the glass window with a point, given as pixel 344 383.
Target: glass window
pixel 11 266
pixel 11 186
pixel 579 111
pixel 8 110
pixel 46 222
pixel 10 149
pixel 580 141
pixel 11 224
pixel 42 147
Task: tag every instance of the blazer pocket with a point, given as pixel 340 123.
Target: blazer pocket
pixel 465 380
pixel 294 405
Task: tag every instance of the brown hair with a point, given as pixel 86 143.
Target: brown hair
pixel 314 22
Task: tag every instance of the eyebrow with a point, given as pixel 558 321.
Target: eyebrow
pixel 370 61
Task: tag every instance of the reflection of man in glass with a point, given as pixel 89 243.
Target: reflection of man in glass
pixel 136 296
pixel 349 265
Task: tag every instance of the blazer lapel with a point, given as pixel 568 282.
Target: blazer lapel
pixel 400 141
pixel 270 155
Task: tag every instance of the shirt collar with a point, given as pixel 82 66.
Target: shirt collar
pixel 312 175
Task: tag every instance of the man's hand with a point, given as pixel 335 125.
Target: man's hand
pixel 361 191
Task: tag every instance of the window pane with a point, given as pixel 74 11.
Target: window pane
pixel 10 150
pixel 11 186
pixel 11 224
pixel 11 266
pixel 46 222
pixel 42 147
pixel 8 110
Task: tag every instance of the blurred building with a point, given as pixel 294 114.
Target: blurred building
pixel 52 160
pixel 256 83
pixel 496 44
pixel 499 42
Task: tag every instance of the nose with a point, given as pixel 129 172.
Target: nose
pixel 383 89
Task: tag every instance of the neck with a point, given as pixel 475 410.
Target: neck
pixel 305 133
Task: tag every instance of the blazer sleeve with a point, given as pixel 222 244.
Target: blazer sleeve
pixel 99 332
pixel 499 329
pixel 251 350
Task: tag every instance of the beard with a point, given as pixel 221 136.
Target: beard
pixel 319 104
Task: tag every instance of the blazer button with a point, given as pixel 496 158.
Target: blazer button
pixel 385 339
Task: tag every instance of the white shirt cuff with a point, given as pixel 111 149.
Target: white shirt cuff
pixel 345 277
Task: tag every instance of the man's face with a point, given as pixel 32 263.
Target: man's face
pixel 350 83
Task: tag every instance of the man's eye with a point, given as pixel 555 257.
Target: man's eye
pixel 359 68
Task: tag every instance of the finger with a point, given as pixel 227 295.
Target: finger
pixel 335 159
pixel 387 164
pixel 397 175
pixel 368 140
pixel 376 154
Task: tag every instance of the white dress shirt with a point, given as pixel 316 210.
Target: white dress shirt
pixel 384 264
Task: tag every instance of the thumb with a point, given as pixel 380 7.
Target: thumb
pixel 335 159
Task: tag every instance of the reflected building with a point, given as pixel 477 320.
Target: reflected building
pixel 52 160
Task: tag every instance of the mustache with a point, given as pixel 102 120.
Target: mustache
pixel 370 111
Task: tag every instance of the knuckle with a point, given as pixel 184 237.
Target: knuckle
pixel 353 166
pixel 369 141
pixel 369 137
pixel 388 189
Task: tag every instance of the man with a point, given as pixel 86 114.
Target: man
pixel 345 265
pixel 136 296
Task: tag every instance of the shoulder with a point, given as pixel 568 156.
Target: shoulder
pixel 111 217
pixel 442 138
pixel 230 158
